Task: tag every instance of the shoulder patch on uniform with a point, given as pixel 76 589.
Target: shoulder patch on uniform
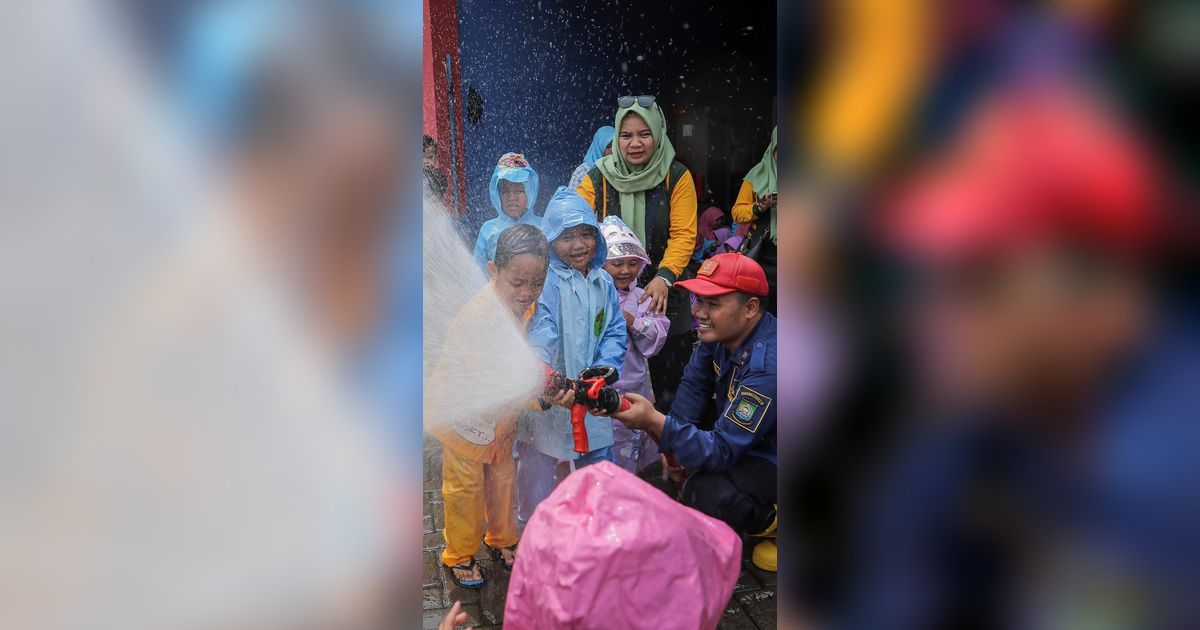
pixel 747 409
pixel 708 267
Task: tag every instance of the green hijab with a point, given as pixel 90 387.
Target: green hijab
pixel 631 181
pixel 762 176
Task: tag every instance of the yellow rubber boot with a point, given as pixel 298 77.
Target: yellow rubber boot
pixel 765 555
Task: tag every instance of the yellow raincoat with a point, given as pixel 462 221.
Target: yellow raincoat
pixel 477 479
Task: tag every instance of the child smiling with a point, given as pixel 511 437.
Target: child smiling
pixel 647 334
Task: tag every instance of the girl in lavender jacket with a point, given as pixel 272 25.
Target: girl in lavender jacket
pixel 627 257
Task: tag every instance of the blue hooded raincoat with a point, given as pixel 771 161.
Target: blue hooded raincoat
pixel 600 141
pixel 578 324
pixel 489 232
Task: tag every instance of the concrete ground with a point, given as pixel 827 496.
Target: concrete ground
pixel 752 606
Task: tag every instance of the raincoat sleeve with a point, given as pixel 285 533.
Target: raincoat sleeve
pixel 649 331
pixel 682 240
pixel 587 190
pixel 743 208
pixel 581 173
pixel 615 341
pixel 750 414
pixel 543 330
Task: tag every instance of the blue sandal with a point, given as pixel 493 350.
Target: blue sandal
pixel 469 566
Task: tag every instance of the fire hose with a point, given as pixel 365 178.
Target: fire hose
pixel 590 393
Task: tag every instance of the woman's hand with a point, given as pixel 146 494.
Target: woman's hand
pixel 765 203
pixel 656 292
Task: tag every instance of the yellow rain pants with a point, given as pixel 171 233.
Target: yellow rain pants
pixel 478 496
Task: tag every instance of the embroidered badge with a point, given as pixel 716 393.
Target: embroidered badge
pixel 598 326
pixel 745 410
pixel 748 409
pixel 708 267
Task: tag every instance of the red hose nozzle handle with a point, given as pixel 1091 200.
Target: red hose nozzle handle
pixel 579 428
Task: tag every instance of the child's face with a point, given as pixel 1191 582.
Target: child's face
pixel 623 271
pixel 575 247
pixel 519 283
pixel 512 198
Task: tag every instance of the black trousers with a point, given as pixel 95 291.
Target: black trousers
pixel 666 367
pixel 743 496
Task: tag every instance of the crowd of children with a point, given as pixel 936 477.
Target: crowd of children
pixel 572 281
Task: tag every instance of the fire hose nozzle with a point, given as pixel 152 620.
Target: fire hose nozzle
pixel 590 393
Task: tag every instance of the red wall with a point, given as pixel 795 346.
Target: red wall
pixel 440 38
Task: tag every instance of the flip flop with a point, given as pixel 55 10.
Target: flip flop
pixel 469 584
pixel 499 557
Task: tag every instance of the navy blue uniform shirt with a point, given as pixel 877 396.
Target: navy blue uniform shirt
pixel 742 384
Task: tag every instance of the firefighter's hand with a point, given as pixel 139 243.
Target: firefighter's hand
pixel 641 415
pixel 674 473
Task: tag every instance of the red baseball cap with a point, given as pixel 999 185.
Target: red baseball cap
pixel 1029 167
pixel 726 273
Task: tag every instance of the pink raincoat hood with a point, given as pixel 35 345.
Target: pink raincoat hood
pixel 608 550
pixel 622 242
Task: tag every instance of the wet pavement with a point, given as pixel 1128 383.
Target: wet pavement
pixel 752 606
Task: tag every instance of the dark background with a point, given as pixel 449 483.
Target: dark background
pixel 549 74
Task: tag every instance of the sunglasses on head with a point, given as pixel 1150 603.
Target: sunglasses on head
pixel 644 100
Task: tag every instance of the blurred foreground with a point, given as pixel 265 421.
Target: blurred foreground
pixel 203 336
pixel 992 220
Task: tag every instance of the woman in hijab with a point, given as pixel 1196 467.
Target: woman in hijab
pixel 656 197
pixel 755 206
pixel 601 146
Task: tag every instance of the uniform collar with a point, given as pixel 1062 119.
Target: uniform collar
pixel 742 354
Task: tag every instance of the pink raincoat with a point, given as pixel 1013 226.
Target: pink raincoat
pixel 607 550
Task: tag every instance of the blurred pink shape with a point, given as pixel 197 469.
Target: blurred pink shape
pixel 608 550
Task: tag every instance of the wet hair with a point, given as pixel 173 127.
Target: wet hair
pixel 518 240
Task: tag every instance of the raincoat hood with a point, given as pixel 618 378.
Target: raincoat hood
pixel 567 210
pixel 600 141
pixel 515 168
pixel 622 242
pixel 608 550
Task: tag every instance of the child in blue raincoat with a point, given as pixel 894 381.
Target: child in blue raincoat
pixel 578 330
pixel 513 191
pixel 600 147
